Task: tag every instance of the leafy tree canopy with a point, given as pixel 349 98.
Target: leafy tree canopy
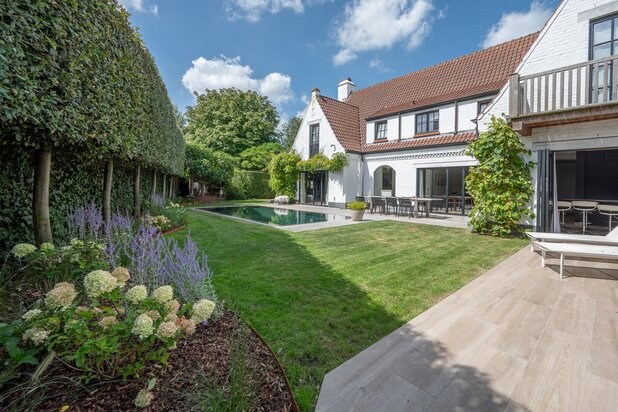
pixel 205 164
pixel 501 184
pixel 258 158
pixel 288 132
pixel 231 120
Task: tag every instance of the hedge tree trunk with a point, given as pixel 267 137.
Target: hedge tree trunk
pixel 40 198
pixel 107 191
pixel 154 184
pixel 164 186
pixel 137 195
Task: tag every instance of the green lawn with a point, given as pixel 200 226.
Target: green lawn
pixel 320 297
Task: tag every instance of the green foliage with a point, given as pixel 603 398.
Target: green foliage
pixel 501 184
pixel 321 162
pixel 249 184
pixel 230 120
pixel 73 183
pixel 205 164
pixel 77 77
pixel 174 212
pixel 357 205
pixel 258 157
pixel 283 172
pixel 288 133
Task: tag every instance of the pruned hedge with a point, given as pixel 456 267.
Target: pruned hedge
pixel 249 184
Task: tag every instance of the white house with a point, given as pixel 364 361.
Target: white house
pixel 406 136
pixel 563 101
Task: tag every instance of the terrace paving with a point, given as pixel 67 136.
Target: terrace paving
pixel 517 338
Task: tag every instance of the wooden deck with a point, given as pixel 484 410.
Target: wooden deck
pixel 515 339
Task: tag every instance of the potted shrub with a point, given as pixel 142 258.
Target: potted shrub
pixel 358 210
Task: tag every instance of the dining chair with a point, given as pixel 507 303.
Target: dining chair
pixel 563 207
pixel 377 203
pixel 391 203
pixel 610 211
pixel 584 206
pixel 405 203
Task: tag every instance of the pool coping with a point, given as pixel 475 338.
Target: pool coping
pixel 290 228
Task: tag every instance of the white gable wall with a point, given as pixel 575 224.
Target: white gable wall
pixel 315 115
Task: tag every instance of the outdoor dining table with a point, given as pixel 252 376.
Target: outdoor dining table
pixel 426 201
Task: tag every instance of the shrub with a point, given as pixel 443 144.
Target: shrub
pixel 357 205
pixel 284 173
pixel 107 335
pixel 247 184
pixel 501 184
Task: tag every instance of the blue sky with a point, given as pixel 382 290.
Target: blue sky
pixel 284 48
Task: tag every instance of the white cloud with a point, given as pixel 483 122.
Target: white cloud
pixel 518 23
pixel 139 6
pixel 252 10
pixel 372 25
pixel 222 72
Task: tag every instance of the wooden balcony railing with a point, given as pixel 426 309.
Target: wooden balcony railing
pixel 581 85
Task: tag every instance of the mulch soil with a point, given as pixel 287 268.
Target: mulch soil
pixel 206 353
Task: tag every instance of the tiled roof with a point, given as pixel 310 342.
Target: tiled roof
pixel 344 120
pixel 415 143
pixel 478 73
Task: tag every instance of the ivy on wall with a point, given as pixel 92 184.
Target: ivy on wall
pixel 321 162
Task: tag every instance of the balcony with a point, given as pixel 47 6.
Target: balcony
pixel 579 93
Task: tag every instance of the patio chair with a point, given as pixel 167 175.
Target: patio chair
pixel 563 207
pixel 391 203
pixel 610 211
pixel 405 203
pixel 589 253
pixel 585 207
pixel 611 239
pixel 377 204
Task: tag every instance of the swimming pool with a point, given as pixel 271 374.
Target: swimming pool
pixel 274 215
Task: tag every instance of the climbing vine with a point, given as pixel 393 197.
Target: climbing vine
pixel 501 184
pixel 321 162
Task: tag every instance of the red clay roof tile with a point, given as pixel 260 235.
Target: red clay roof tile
pixel 478 73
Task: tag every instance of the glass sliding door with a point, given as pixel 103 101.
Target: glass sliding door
pixel 447 186
pixel 314 188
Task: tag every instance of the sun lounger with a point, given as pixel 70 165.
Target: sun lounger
pixel 576 250
pixel 611 239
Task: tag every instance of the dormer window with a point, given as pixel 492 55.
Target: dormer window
pixel 314 140
pixel 380 131
pixel 428 123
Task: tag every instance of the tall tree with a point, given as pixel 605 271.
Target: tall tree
pixel 230 120
pixel 288 132
pixel 258 158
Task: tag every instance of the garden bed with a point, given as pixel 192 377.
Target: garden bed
pixel 223 363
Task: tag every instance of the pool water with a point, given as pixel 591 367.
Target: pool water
pixel 276 216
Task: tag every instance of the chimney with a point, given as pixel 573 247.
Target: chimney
pixel 345 88
pixel 315 93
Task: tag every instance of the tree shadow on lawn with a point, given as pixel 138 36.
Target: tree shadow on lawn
pixel 313 318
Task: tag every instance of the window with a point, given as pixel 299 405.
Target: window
pixel 380 131
pixel 483 105
pixel 314 140
pixel 604 37
pixel 428 122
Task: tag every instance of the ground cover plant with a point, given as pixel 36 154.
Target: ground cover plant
pixel 320 297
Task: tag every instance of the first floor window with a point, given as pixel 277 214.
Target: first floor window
pixel 428 122
pixel 483 105
pixel 380 131
pixel 314 140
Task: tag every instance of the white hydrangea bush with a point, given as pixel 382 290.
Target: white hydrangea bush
pixel 137 323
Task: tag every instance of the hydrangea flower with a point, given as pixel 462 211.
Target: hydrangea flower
pixel 76 242
pixel 171 317
pixel 107 321
pixel 61 296
pixel 143 398
pixel 167 330
pixel 163 294
pixel 31 314
pixel 153 314
pixel 37 336
pixel 143 326
pixel 22 250
pixel 121 274
pixel 187 326
pixel 47 247
pixel 136 294
pixel 172 306
pixel 202 310
pixel 99 282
